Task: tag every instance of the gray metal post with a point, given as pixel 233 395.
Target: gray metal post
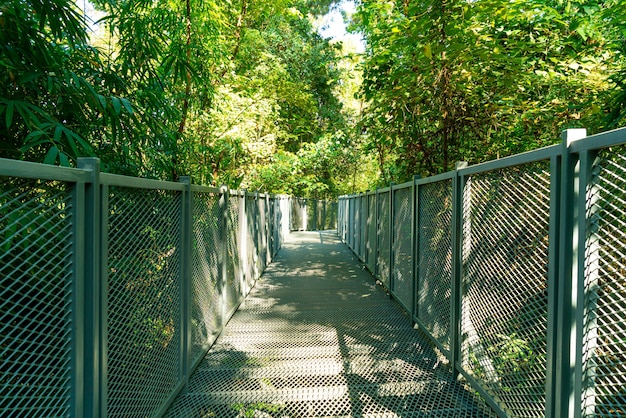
pixel 415 247
pixel 565 380
pixel 222 254
pixel 391 240
pixel 553 263
pixel 243 250
pixel 377 238
pixel 87 401
pixel 588 271
pixel 103 302
pixel 458 183
pixel 185 278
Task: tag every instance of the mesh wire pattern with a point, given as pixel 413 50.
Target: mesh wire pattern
pixel 504 284
pixel 604 339
pixel 371 240
pixel 318 338
pixel 36 294
pixel 383 269
pixel 144 299
pixel 207 288
pixel 434 265
pixel 236 270
pixel 402 283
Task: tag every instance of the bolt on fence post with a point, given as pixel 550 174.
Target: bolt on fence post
pixel 186 238
pixel 457 267
pixel 88 402
pixel 564 376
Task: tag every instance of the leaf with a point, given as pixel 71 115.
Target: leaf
pixel 101 99
pixel 127 106
pixel 117 105
pixel 427 51
pixel 51 156
pixel 64 160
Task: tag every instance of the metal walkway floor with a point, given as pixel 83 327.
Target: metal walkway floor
pixel 317 337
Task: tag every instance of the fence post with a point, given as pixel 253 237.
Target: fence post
pixel 457 266
pixel 87 402
pixel 415 247
pixel 391 289
pixel 243 248
pixel 565 377
pixel 377 238
pixel 185 278
pixel 222 251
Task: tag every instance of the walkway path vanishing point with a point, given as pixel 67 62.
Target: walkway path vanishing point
pixel 317 337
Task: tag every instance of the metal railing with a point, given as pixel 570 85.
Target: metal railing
pixel 113 288
pixel 313 214
pixel 516 269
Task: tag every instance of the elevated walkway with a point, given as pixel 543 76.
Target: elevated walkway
pixel 317 337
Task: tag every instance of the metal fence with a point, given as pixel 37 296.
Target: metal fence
pixel 113 288
pixel 313 214
pixel 516 269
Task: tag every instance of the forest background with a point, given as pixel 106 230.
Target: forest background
pixel 248 94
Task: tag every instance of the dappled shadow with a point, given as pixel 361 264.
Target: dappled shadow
pixel 318 337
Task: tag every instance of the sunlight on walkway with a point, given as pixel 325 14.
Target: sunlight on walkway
pixel 318 338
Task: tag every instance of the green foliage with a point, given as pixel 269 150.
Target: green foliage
pixel 51 84
pixel 449 80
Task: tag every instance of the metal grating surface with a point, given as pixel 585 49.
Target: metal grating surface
pixel 317 338
pixel 36 263
pixel 144 300
pixel 403 246
pixel 604 340
pixel 384 238
pixel 435 259
pixel 206 308
pixel 504 285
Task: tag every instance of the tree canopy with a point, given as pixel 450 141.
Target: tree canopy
pixel 248 94
pixel 450 80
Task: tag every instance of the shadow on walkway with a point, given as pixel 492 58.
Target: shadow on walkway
pixel 317 337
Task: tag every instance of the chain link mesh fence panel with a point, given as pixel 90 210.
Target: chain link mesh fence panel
pixel 370 245
pixel 252 237
pixel 434 264
pixel 262 236
pixel 235 269
pixel 402 283
pixel 504 285
pixel 363 226
pixel 604 338
pixel 36 292
pixel 144 300
pixel 384 239
pixel 313 210
pixel 206 285
pixel 298 214
pixel 351 220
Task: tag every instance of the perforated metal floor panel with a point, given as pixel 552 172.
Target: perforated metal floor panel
pixel 317 337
